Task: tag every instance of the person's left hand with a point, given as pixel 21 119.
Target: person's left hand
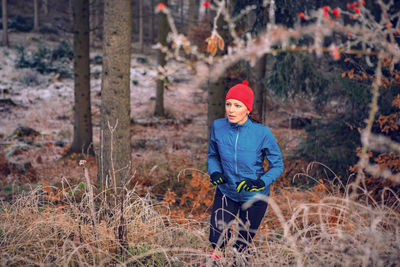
pixel 250 185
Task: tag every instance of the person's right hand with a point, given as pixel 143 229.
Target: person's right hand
pixel 217 178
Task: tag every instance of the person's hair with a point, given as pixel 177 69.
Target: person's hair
pixel 254 116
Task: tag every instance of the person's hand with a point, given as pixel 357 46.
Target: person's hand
pixel 250 185
pixel 217 178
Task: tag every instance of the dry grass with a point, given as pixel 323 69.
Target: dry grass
pixel 318 227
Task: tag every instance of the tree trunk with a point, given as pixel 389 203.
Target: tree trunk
pixel 36 15
pixel 70 10
pixel 193 13
pixel 45 7
pixel 216 102
pixel 141 25
pixel 5 22
pixel 159 107
pixel 216 92
pixel 152 31
pixel 82 141
pixel 262 17
pixel 259 87
pixel 181 6
pixel 115 153
pixel 96 11
pixel 92 24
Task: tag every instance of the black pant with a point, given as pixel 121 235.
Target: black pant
pixel 223 214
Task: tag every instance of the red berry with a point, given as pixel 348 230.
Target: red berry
pixel 326 14
pixel 335 12
pixel 161 6
pixel 357 10
pixel 301 15
pixel 351 5
pixel 357 4
pixel 326 8
pixel 206 4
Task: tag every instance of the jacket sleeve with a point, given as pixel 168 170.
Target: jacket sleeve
pixel 214 162
pixel 273 154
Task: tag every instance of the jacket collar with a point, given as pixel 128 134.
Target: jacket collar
pixel 235 125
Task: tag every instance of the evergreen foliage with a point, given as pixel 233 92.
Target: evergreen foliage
pixel 296 73
pixel 45 60
pixel 20 23
pixel 334 142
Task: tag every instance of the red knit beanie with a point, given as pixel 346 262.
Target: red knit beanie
pixel 243 93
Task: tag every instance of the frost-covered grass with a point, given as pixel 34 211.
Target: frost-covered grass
pixel 305 228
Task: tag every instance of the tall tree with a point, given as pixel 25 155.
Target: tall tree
pixel 216 91
pixel 159 107
pixel 115 154
pixel 5 22
pixel 216 101
pixel 36 15
pixel 82 141
pixel 193 13
pixel 259 87
pixel 182 15
pixel 260 67
pixel 141 25
pixel 152 31
pixel 96 13
pixel 45 6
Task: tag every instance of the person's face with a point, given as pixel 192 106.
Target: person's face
pixel 236 111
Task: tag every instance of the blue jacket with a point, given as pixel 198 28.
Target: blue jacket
pixel 238 151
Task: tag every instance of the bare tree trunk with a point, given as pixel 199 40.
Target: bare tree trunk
pixel 152 31
pixel 259 87
pixel 92 25
pixel 82 141
pixel 45 7
pixel 115 154
pixel 70 9
pixel 262 16
pixel 216 92
pixel 141 25
pixel 36 15
pixel 193 13
pixel 5 22
pixel 181 6
pixel 96 21
pixel 216 102
pixel 159 107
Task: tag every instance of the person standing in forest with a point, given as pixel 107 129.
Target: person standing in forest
pixel 238 146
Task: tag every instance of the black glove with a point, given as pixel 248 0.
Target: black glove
pixel 250 185
pixel 217 178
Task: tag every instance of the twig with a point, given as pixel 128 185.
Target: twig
pixel 91 198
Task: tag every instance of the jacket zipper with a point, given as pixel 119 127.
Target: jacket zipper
pixel 236 141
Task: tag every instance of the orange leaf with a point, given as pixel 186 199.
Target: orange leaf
pixel 186 48
pixel 213 49
pixel 221 43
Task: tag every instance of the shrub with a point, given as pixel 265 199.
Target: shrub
pixel 45 60
pixel 21 23
pixel 63 50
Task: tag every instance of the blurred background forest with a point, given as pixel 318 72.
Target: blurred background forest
pixel 51 83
